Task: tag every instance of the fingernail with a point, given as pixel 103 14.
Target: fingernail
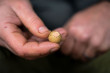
pixel 43 29
pixel 53 50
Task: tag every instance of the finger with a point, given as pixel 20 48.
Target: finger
pixel 97 37
pixel 105 45
pixel 29 18
pixel 80 33
pixel 95 42
pixel 63 33
pixel 67 46
pixel 19 45
pixel 90 53
pixel 79 50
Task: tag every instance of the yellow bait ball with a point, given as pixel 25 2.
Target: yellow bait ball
pixel 55 37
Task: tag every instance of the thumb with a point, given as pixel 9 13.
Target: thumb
pixel 30 19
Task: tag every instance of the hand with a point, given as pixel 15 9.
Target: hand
pixel 14 16
pixel 88 33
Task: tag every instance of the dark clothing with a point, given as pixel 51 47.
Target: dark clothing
pixel 54 13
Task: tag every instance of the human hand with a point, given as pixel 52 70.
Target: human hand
pixel 14 16
pixel 88 33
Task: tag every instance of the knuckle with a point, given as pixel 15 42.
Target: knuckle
pixel 79 33
pixel 95 43
pixel 72 29
pixel 32 20
pixel 84 37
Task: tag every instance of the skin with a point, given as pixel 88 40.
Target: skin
pixel 88 33
pixel 23 32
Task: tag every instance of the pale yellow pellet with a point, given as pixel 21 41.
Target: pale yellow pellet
pixel 55 37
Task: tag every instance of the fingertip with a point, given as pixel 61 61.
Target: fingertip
pixel 55 46
pixel 63 33
pixel 50 46
pixel 42 29
pixel 44 35
pixel 54 49
pixel 90 54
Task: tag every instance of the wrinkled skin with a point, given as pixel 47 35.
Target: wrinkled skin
pixel 88 33
pixel 23 32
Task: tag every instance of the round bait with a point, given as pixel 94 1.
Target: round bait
pixel 55 37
